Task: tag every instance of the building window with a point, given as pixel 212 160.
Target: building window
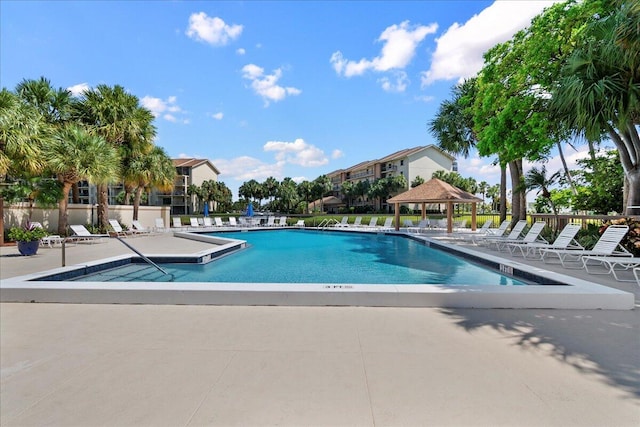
pixel 401 162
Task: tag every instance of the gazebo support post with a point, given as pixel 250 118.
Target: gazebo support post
pixel 424 210
pixel 449 217
pixel 397 212
pixel 474 214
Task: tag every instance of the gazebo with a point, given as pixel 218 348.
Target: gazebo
pixel 436 191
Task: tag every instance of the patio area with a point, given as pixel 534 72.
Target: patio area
pixel 82 364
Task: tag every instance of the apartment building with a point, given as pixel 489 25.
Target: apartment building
pixel 188 171
pixel 411 163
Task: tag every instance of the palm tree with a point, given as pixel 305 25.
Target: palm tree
pixel 74 155
pixel 305 191
pixel 322 186
pixel 53 104
pixel 453 128
pixel 154 169
pixel 22 130
pixel 537 179
pixel 270 187
pixel 117 116
pixel 598 95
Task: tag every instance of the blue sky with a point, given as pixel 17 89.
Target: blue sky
pixel 283 89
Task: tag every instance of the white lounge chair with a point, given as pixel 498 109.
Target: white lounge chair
pixel 232 221
pixel 422 225
pixel 282 222
pixel 636 274
pixel 610 263
pixel 513 234
pixel 159 225
pixel 533 235
pixel 343 223
pixel 177 222
pixel 120 232
pixel 51 240
pixel 482 231
pixel 81 234
pixel 607 245
pixel 300 223
pixel 271 221
pixel 408 223
pixel 565 240
pixel 388 225
pixel 193 223
pixel 459 225
pixel 357 223
pixel 373 222
pixel 139 229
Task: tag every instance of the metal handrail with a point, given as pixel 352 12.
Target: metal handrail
pixel 147 260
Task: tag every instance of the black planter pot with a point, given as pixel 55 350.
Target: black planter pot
pixel 28 248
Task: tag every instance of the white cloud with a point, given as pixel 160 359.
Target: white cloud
pixel 266 85
pixel 297 152
pixel 211 30
pixel 245 168
pixel 336 154
pixel 459 50
pixel 425 98
pixel 241 51
pixel 167 109
pixel 218 116
pixel 399 85
pixel 78 89
pixel 399 48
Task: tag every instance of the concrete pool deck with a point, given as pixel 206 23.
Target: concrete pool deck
pixel 83 364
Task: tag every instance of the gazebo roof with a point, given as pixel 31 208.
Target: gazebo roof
pixel 435 191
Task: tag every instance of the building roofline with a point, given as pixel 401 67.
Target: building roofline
pixel 193 162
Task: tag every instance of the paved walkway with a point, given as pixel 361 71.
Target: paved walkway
pixel 83 365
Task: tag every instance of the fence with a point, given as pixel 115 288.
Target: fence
pixel 15 215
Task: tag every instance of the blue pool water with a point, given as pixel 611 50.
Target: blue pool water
pixel 298 256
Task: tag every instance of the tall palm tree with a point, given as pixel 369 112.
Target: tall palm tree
pixel 537 179
pixel 74 155
pixel 154 169
pixel 305 191
pixel 453 128
pixel 22 131
pixel 118 117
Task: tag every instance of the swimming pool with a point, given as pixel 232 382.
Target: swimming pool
pixel 305 256
pixel 546 289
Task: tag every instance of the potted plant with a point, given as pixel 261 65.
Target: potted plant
pixel 27 238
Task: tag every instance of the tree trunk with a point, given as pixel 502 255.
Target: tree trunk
pixel 136 202
pixel 503 193
pixel 75 193
pixel 63 212
pixel 515 194
pixel 567 172
pixel 103 207
pixel 633 195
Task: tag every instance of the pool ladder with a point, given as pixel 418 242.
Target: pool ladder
pixel 327 223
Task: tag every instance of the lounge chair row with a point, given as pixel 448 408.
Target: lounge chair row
pixel 607 256
pixel 207 222
pixel 357 223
